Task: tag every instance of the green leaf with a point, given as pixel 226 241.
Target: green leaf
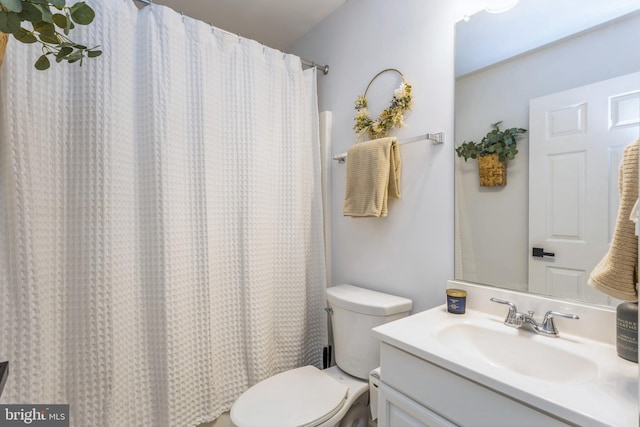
pixel 75 56
pixel 24 36
pixel 47 16
pixel 60 20
pixel 30 13
pixel 46 38
pixel 63 52
pixel 12 5
pixel 94 53
pixel 9 22
pixel 69 25
pixel 44 28
pixel 57 3
pixel 82 14
pixel 42 63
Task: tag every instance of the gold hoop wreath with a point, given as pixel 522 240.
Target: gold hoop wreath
pixel 391 117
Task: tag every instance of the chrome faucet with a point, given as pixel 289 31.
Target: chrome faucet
pixel 516 319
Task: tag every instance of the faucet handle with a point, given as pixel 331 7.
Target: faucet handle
pixel 549 325
pixel 512 318
pixel 511 305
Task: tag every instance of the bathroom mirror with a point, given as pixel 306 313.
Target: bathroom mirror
pixel 536 49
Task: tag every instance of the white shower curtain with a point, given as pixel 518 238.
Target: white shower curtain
pixel 161 237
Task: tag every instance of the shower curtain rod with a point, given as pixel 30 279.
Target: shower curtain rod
pixel 305 62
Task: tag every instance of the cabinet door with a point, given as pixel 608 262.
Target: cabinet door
pixel 397 410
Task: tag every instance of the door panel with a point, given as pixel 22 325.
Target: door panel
pixel 576 142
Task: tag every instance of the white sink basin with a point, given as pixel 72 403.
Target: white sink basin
pixel 519 351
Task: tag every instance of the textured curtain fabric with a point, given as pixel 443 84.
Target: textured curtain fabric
pixel 161 242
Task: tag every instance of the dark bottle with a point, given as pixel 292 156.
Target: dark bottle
pixel 627 331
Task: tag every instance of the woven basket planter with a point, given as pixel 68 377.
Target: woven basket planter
pixel 4 38
pixel 493 172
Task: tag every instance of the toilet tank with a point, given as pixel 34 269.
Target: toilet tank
pixel 355 311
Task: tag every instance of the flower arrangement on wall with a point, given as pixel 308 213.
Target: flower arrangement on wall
pixel 392 116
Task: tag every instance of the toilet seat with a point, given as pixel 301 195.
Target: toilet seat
pixel 301 397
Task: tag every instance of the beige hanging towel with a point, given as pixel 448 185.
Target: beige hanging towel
pixel 373 176
pixel 616 274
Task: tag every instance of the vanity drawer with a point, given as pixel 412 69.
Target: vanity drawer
pixel 453 397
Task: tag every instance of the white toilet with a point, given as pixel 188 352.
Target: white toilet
pixel 336 396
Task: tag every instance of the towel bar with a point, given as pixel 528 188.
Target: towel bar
pixel 435 138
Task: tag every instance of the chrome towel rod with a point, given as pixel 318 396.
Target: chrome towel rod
pixel 435 138
pixel 305 62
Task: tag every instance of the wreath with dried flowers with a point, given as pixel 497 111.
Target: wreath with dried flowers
pixel 391 117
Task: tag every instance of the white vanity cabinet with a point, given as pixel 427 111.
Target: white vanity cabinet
pixel 471 370
pixel 414 392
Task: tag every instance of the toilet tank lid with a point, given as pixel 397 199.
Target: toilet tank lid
pixel 366 301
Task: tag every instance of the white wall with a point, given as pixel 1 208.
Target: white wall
pixel 409 253
pixel 493 222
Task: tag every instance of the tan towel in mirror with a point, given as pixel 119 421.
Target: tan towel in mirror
pixel 616 274
pixel 373 175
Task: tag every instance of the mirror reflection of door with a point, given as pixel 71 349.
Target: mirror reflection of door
pixel 575 147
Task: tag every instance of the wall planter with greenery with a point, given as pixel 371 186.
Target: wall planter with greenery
pixel 49 23
pixel 493 151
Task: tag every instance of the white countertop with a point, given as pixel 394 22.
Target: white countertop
pixel 607 396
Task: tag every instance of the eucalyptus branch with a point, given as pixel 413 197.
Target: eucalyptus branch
pixel 46 17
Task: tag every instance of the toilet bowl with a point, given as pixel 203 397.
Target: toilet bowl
pixel 310 397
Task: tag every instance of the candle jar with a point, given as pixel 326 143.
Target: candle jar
pixel 456 301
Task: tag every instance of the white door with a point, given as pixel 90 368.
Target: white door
pixel 576 142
